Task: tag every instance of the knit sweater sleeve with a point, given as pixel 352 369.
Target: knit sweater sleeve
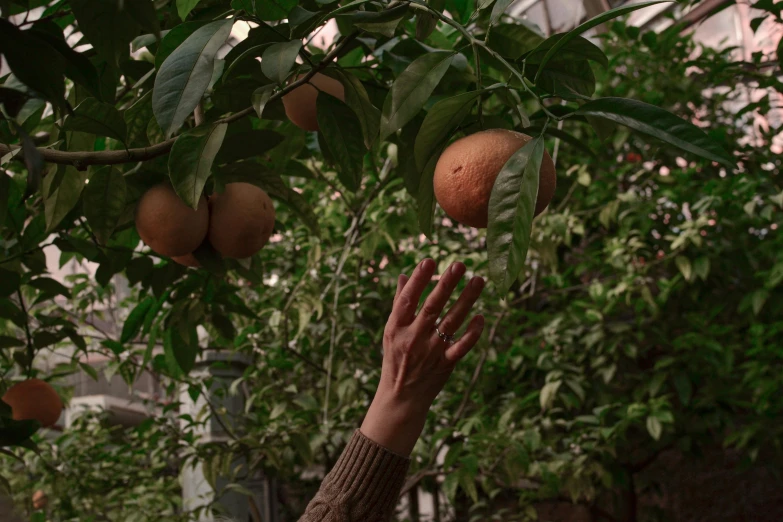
pixel 362 487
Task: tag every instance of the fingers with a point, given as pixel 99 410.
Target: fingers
pixel 434 304
pixel 401 282
pixel 405 304
pixel 459 312
pixel 458 350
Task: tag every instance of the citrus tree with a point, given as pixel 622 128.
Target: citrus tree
pixel 637 314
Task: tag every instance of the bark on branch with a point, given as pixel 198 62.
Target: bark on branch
pixel 81 160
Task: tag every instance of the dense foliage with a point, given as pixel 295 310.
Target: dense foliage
pixel 641 312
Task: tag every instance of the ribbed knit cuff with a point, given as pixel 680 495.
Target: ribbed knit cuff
pixel 367 477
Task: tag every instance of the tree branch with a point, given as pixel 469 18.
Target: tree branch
pixel 30 348
pixel 81 160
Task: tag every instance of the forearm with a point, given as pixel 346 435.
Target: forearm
pixel 393 422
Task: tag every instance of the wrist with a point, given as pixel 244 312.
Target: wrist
pixel 394 422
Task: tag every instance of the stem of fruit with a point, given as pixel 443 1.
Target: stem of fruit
pixel 476 42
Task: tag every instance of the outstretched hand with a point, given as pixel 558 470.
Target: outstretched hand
pixel 419 353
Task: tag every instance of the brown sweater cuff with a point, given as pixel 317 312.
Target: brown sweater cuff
pixel 367 478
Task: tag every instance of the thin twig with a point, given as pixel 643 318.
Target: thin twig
pixel 30 348
pixel 25 253
pixel 81 160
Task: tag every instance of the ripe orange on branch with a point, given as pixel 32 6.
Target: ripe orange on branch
pixel 468 168
pixel 168 225
pixel 242 220
pixel 300 104
pixel 34 399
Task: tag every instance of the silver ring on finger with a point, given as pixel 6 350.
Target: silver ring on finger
pixel 448 339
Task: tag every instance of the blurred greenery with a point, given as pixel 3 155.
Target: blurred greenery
pixel 647 316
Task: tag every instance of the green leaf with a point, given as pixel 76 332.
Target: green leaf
pixel 5 195
pixel 439 125
pixel 107 27
pixel 701 267
pixel 261 97
pixel 78 67
pixel 191 158
pixel 183 351
pixel 511 208
pixel 356 98
pixel 426 194
pixel 25 54
pixel 137 118
pixel 549 392
pixel 174 39
pixel 682 383
pixel 104 201
pixel 278 60
pixel 513 40
pixel 89 370
pixel 10 342
pixel 381 22
pixel 450 486
pixel 272 10
pixel 99 118
pixel 758 300
pixel 136 319
pixel 425 22
pixel 33 160
pixel 247 144
pixel 577 48
pixel 184 76
pixel 60 201
pixel 184 7
pixel 654 427
pixel 302 208
pixel 342 131
pixel 302 21
pixel 412 89
pixel 593 22
pixel 659 124
pixel 565 78
pixel 468 484
pixel 498 10
pixel 780 52
pixel 9 282
pixel 145 14
pixel 251 52
pixel 50 287
pixel 684 265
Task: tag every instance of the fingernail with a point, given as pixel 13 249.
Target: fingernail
pixel 458 268
pixel 480 321
pixel 427 264
pixel 477 282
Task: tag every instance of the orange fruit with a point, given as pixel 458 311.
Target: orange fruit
pixel 468 168
pixel 168 225
pixel 187 260
pixel 242 219
pixel 300 104
pixel 34 399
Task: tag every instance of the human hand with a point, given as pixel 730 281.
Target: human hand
pixel 417 362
